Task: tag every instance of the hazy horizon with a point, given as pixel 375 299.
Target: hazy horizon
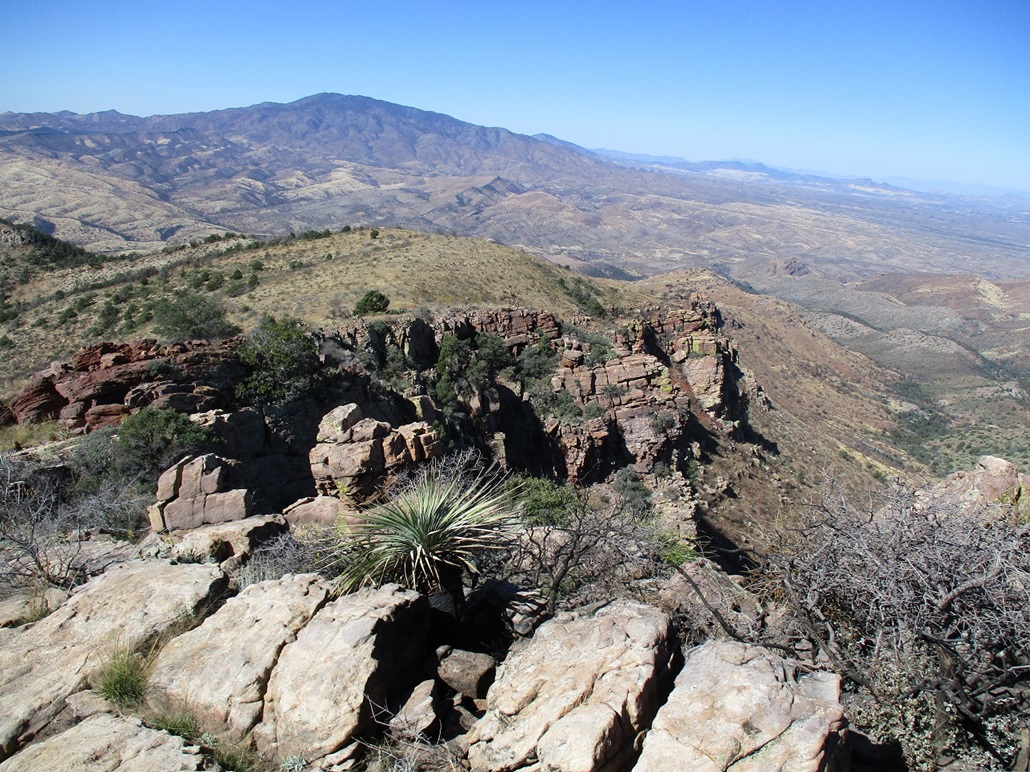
pixel 918 90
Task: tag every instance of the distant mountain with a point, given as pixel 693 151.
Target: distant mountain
pixel 116 182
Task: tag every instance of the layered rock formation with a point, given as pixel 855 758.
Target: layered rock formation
pixel 104 382
pixel 353 453
pixel 199 491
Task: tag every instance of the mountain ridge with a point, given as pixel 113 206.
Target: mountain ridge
pixel 329 160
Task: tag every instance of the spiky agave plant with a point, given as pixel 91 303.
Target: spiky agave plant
pixel 429 533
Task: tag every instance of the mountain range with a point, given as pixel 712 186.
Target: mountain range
pixel 118 182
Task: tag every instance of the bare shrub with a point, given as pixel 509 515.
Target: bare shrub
pixel 288 553
pixel 587 554
pixel 925 607
pixel 43 536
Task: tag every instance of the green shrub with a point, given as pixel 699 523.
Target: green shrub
pixel 145 444
pixel 536 362
pixel 372 302
pixel 567 409
pixel 674 552
pixel 283 362
pixel 545 502
pixel 180 723
pixel 189 318
pixel 635 495
pixel 662 422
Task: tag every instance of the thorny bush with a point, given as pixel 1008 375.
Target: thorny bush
pixel 925 607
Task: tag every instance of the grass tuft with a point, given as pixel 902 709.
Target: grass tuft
pixel 122 679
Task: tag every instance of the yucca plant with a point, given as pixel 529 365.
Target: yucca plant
pixel 428 534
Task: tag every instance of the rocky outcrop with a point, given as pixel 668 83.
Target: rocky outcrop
pixel 228 544
pixel 104 382
pixel 127 606
pixel 109 743
pixel 355 654
pixel 518 327
pixel 739 707
pixel 37 402
pixel 199 491
pixel 575 695
pixel 994 481
pixel 354 453
pixel 219 676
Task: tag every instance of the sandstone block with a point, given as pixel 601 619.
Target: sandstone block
pixel 218 675
pixel 338 421
pixel 609 667
pixel 109 743
pixel 356 651
pixel 129 604
pixel 742 708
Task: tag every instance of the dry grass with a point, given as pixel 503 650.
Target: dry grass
pixel 311 279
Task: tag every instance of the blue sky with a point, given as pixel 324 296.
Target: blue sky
pixel 928 90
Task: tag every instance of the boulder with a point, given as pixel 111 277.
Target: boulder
pixel 335 425
pixel 353 453
pixel 742 708
pixel 197 491
pixel 469 673
pixel 569 697
pixel 417 716
pixel 130 604
pixel 994 481
pixel 740 609
pixel 228 544
pixel 218 675
pixel 109 743
pixel 355 654
pixel 325 511
pixel 37 402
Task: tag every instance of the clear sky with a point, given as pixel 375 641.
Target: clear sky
pixel 926 89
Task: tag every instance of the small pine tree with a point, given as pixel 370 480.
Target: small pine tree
pixel 372 302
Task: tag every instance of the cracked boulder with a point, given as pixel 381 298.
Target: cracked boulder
pixel 355 656
pixel 125 608
pixel 354 452
pixel 199 491
pixel 741 708
pixel 218 675
pixel 574 697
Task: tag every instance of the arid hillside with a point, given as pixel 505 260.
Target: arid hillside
pixel 957 342
pixel 117 182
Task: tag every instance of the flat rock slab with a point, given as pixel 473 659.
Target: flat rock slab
pixel 107 743
pixel 124 608
pixel 358 650
pixel 742 708
pixel 574 696
pixel 218 672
